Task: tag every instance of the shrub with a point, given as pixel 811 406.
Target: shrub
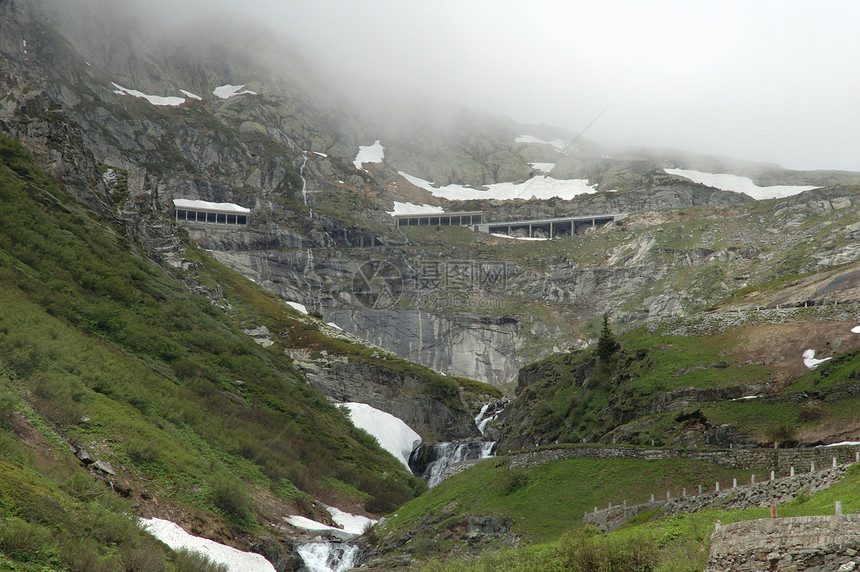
pixel 186 561
pixel 230 496
pixel 512 480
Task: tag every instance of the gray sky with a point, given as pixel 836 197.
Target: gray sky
pixel 758 80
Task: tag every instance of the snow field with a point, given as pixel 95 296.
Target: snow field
pixel 736 184
pixel 227 91
pixel 369 154
pixel 177 539
pixel 540 187
pixel 393 434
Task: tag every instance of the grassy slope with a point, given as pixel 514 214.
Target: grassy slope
pixel 674 543
pixel 100 348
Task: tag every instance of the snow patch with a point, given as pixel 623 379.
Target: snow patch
pixel 369 154
pixel 737 184
pixel 745 398
pixel 190 95
pixel 516 237
pixel 206 205
pixel 557 143
pixel 842 444
pixel 413 209
pixel 320 154
pixel 540 187
pixel 393 434
pixel 855 330
pixel 335 326
pixel 176 538
pixel 543 167
pixel 352 524
pixel 809 359
pixel 300 307
pixel 227 91
pixel 153 99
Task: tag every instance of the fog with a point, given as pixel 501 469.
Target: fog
pixel 766 80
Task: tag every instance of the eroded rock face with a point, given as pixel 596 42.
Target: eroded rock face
pixel 399 394
pixel 467 346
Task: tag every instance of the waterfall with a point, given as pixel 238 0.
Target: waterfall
pixel 445 455
pixel 482 418
pixel 304 180
pixel 328 556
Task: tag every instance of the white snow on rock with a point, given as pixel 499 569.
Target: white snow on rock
pixel 543 167
pixel 352 523
pixel 842 444
pixel 500 235
pixel 539 187
pixel 190 95
pixel 176 538
pixel 393 434
pixel 413 209
pixel 737 184
pixel 300 307
pixel 855 330
pixel 810 361
pixel 333 325
pixel 369 154
pixel 227 91
pixel 153 99
pixel 349 523
pixel 557 143
pixel 206 205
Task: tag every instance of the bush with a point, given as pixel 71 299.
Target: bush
pixel 24 540
pixel 230 497
pixel 186 561
pixel 512 480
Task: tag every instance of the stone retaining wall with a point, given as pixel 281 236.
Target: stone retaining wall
pixel 778 460
pixel 761 494
pixel 819 543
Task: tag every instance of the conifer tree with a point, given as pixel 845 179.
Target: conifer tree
pixel 607 346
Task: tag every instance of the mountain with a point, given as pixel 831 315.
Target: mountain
pixel 192 371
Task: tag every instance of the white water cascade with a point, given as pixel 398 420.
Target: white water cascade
pixel 481 419
pixel 328 556
pixel 448 454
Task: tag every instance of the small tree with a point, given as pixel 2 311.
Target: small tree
pixel 607 346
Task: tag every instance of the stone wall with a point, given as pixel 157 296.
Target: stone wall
pixel 765 459
pixel 820 543
pixel 761 494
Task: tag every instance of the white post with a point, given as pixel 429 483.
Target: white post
pixel 717 487
pixel 652 498
pixel 812 467
pixel 668 496
pixel 752 479
pixel 734 483
pixel 839 507
pixel 834 462
pixel 684 492
pixel 857 456
pixel 772 475
pixel 792 472
pixel 700 489
pixel 625 503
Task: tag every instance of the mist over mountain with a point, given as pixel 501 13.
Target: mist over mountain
pixel 266 268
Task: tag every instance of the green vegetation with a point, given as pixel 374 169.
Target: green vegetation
pixel 670 543
pixel 100 348
pixel 544 502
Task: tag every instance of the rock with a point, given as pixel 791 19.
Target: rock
pixel 481 526
pixel 84 456
pixel 104 467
